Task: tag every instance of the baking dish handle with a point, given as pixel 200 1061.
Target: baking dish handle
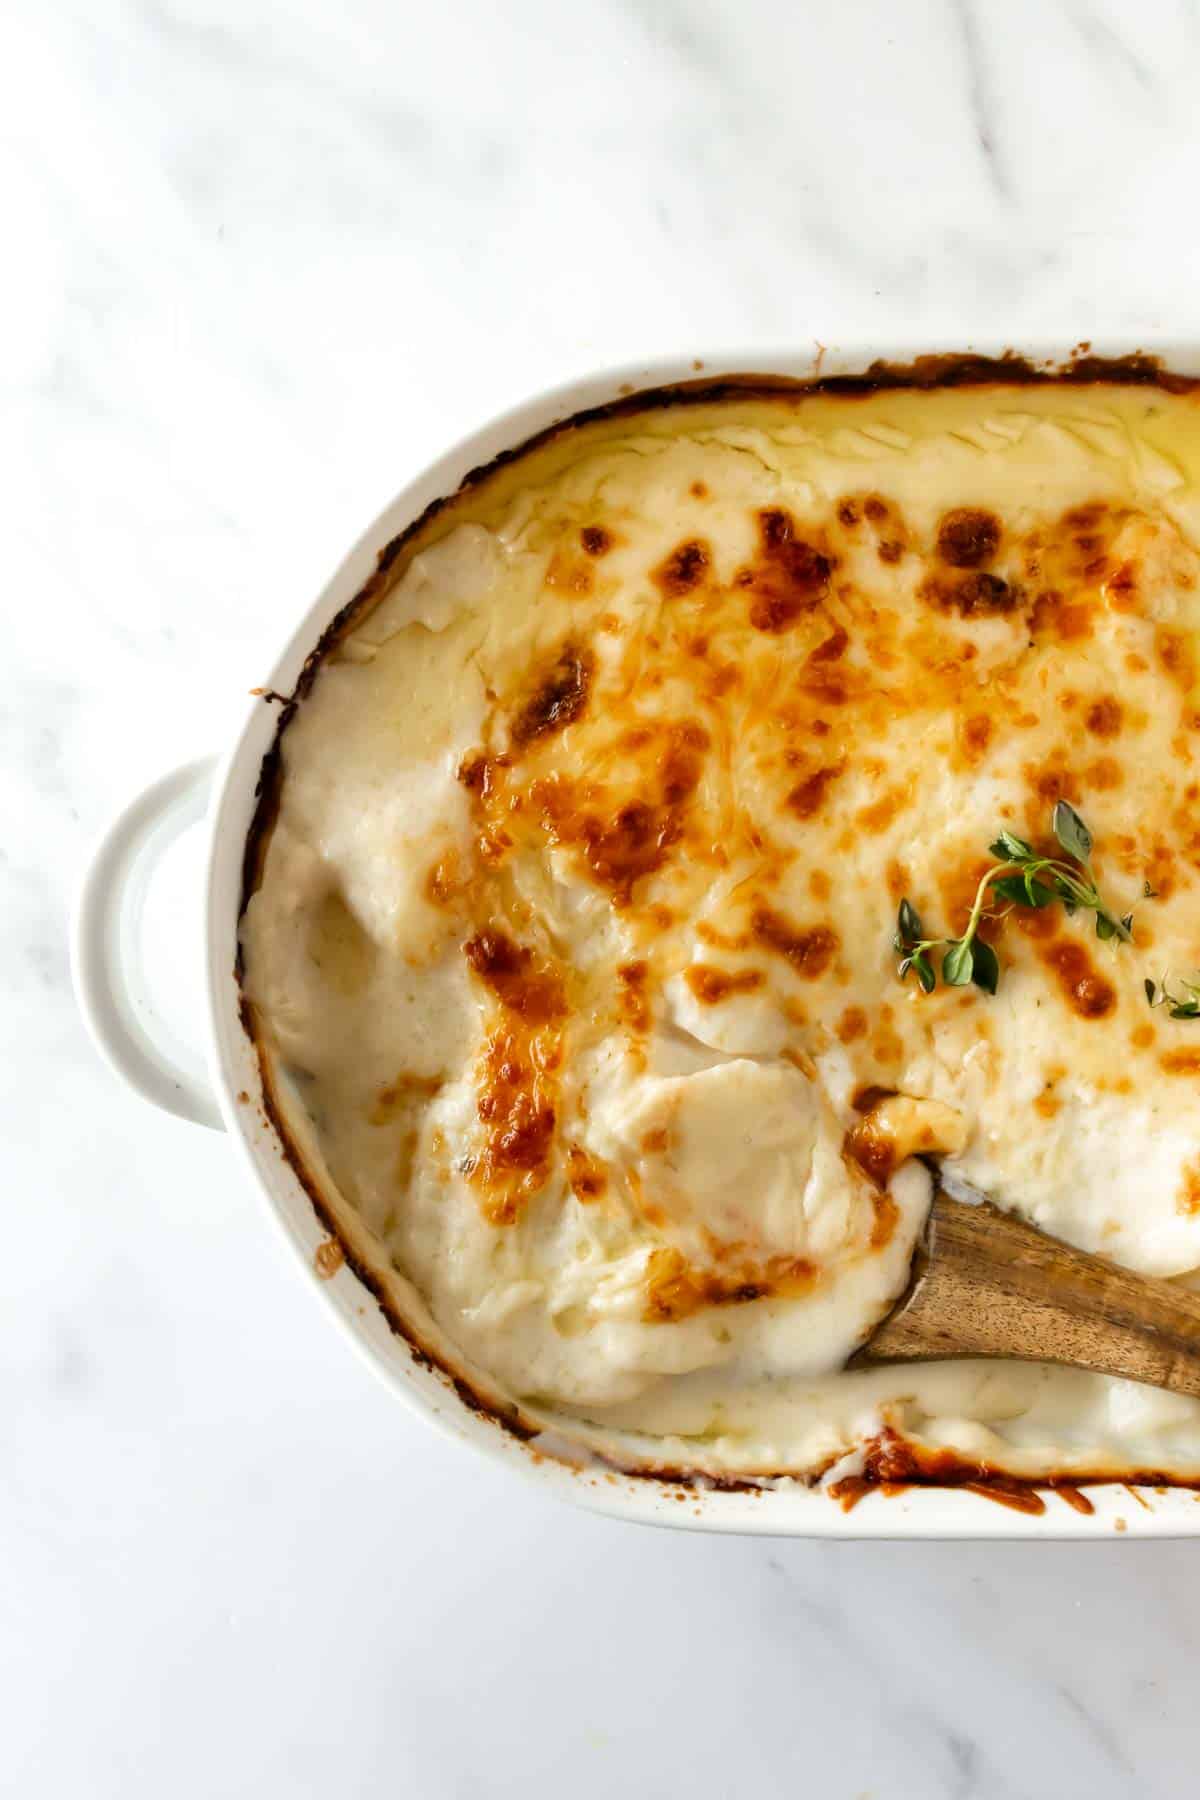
pixel 106 948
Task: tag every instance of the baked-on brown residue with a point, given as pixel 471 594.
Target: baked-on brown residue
pixel 1074 1497
pixel 559 698
pixel 968 537
pixel 810 951
pixel 685 568
pixel 328 1258
pixel 789 577
pixel 892 1463
pixel 595 540
pixel 712 986
pixel 1090 995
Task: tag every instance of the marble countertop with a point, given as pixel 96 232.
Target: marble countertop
pixel 262 260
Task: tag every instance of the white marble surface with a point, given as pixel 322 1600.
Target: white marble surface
pixel 260 260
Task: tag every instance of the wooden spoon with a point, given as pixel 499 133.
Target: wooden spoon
pixel 987 1284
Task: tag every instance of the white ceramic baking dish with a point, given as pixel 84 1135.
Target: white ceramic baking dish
pixel 223 1089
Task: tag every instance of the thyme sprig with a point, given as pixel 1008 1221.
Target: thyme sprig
pixel 1021 878
pixel 1181 1002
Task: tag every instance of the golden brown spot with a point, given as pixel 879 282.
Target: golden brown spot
pixel 809 951
pixel 968 537
pixel 872 1149
pixel 444 880
pixel 958 882
pixel 632 977
pixel 976 735
pixel 328 1259
pixel 1180 1062
pixel 819 884
pixel 876 508
pixel 898 880
pixel 1105 773
pixel 587 1178
pixel 1187 1200
pixel 698 490
pixel 1142 1037
pixel 852 1024
pixel 1087 992
pixel 636 838
pixel 481 774
pixel 847 512
pixel 1175 655
pixel 831 649
pixel 1047 1103
pixel 1161 873
pixel 890 550
pixel 1039 924
pixel 1060 619
pixel 568 575
pixel 886 1219
pixel 713 986
pixel 533 991
pixel 676 1290
pixel 596 540
pixel 789 578
pixel 655 1142
pixel 515 1103
pixel 684 569
pixel 1105 717
pixel 866 1099
pixel 560 698
pixel 1051 781
pixel 808 796
pixel 974 595
pixel 1121 590
pixel 879 815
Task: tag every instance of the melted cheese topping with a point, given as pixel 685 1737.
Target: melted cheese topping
pixel 573 939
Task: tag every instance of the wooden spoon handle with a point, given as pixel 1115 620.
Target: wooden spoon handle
pixel 985 1283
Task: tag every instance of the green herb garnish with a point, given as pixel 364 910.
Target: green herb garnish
pixel 1182 1001
pixel 1020 877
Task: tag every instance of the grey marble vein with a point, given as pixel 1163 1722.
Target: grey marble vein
pixel 980 92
